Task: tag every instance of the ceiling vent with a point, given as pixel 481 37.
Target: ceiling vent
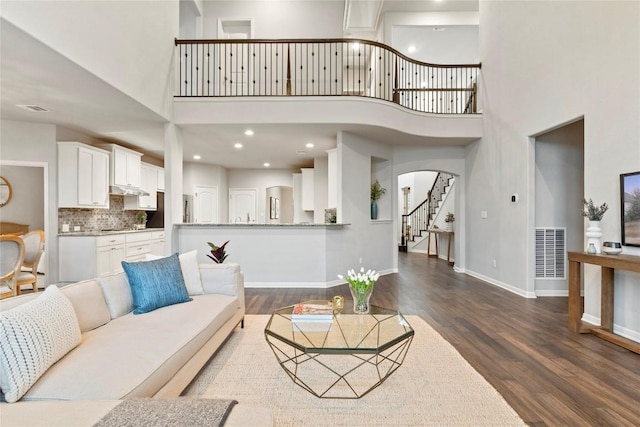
pixel 34 108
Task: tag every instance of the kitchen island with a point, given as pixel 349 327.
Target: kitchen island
pixel 274 255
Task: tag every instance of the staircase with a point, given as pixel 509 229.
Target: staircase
pixel 419 220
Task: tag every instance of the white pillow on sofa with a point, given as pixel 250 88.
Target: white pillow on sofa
pixel 34 336
pixel 190 271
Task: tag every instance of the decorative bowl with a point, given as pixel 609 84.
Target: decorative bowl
pixel 615 245
pixel 611 251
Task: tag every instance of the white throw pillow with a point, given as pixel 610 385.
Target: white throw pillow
pixel 190 271
pixel 117 294
pixel 34 336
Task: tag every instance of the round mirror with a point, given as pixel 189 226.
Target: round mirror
pixel 5 191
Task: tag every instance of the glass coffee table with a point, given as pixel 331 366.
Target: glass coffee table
pixel 342 358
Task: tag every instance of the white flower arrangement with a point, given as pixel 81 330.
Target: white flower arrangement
pixel 362 281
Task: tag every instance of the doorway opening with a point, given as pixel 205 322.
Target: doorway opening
pixel 29 205
pixel 426 202
pixel 559 189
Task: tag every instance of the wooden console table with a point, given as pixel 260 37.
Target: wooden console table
pixel 608 264
pixel 437 231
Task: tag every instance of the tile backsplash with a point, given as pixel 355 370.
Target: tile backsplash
pixel 98 219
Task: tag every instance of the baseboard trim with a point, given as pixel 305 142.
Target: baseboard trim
pixel 553 293
pixel 500 284
pixel 310 285
pixel 617 329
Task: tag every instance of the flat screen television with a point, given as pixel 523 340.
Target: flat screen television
pixel 630 208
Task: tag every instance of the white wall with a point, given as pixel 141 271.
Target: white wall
pixel 260 179
pixel 320 188
pixel 530 53
pixel 279 19
pixel 210 175
pixel 27 203
pixel 36 143
pixel 372 241
pixel 128 44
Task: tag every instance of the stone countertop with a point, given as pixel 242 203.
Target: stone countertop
pixel 107 232
pixel 259 225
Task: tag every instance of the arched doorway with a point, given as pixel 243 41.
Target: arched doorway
pixel 426 200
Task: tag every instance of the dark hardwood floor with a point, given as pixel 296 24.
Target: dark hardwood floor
pixel 550 376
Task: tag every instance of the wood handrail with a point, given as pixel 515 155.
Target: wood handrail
pixel 361 41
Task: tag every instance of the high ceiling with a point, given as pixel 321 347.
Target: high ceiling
pixel 34 74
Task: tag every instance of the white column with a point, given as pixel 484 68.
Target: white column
pixel 173 184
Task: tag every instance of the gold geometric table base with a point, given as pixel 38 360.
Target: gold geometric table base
pixel 347 375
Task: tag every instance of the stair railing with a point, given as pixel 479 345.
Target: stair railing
pixel 322 67
pixel 421 217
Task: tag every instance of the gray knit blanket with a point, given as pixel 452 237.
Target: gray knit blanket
pixel 172 412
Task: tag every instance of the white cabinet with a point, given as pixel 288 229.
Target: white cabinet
pixel 149 183
pixel 138 246
pixel 157 243
pixel 160 174
pixel 87 257
pixel 124 166
pixel 308 193
pixel 83 176
pixel 110 252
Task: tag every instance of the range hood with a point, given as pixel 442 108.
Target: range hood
pixel 123 190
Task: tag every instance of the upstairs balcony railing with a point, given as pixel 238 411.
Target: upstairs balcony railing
pixel 331 67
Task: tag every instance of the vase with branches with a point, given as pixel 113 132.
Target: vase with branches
pixel 377 191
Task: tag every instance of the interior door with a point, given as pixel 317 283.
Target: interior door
pixel 205 204
pixel 242 205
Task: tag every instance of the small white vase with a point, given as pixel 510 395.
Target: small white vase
pixel 594 235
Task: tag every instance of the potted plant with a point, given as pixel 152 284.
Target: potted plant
pixel 218 254
pixel 594 233
pixel 141 220
pixel 377 191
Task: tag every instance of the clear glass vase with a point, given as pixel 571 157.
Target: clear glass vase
pixel 361 300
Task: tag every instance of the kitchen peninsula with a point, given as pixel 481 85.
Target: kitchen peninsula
pixel 274 255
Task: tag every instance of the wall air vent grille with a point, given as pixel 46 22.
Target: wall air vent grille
pixel 551 253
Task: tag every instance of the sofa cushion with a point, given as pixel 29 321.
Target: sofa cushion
pixel 134 356
pixel 190 271
pixel 33 337
pixel 117 294
pixel 88 303
pixel 156 284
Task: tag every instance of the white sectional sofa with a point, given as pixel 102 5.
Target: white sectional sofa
pixel 122 355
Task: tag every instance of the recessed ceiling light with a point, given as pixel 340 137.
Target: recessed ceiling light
pixel 411 49
pixel 301 152
pixel 309 145
pixel 356 46
pixel 266 164
pixel 197 157
pixel 237 145
pixel 248 132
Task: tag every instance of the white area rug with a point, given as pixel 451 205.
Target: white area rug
pixel 434 387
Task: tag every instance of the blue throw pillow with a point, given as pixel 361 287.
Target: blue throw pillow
pixel 156 283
